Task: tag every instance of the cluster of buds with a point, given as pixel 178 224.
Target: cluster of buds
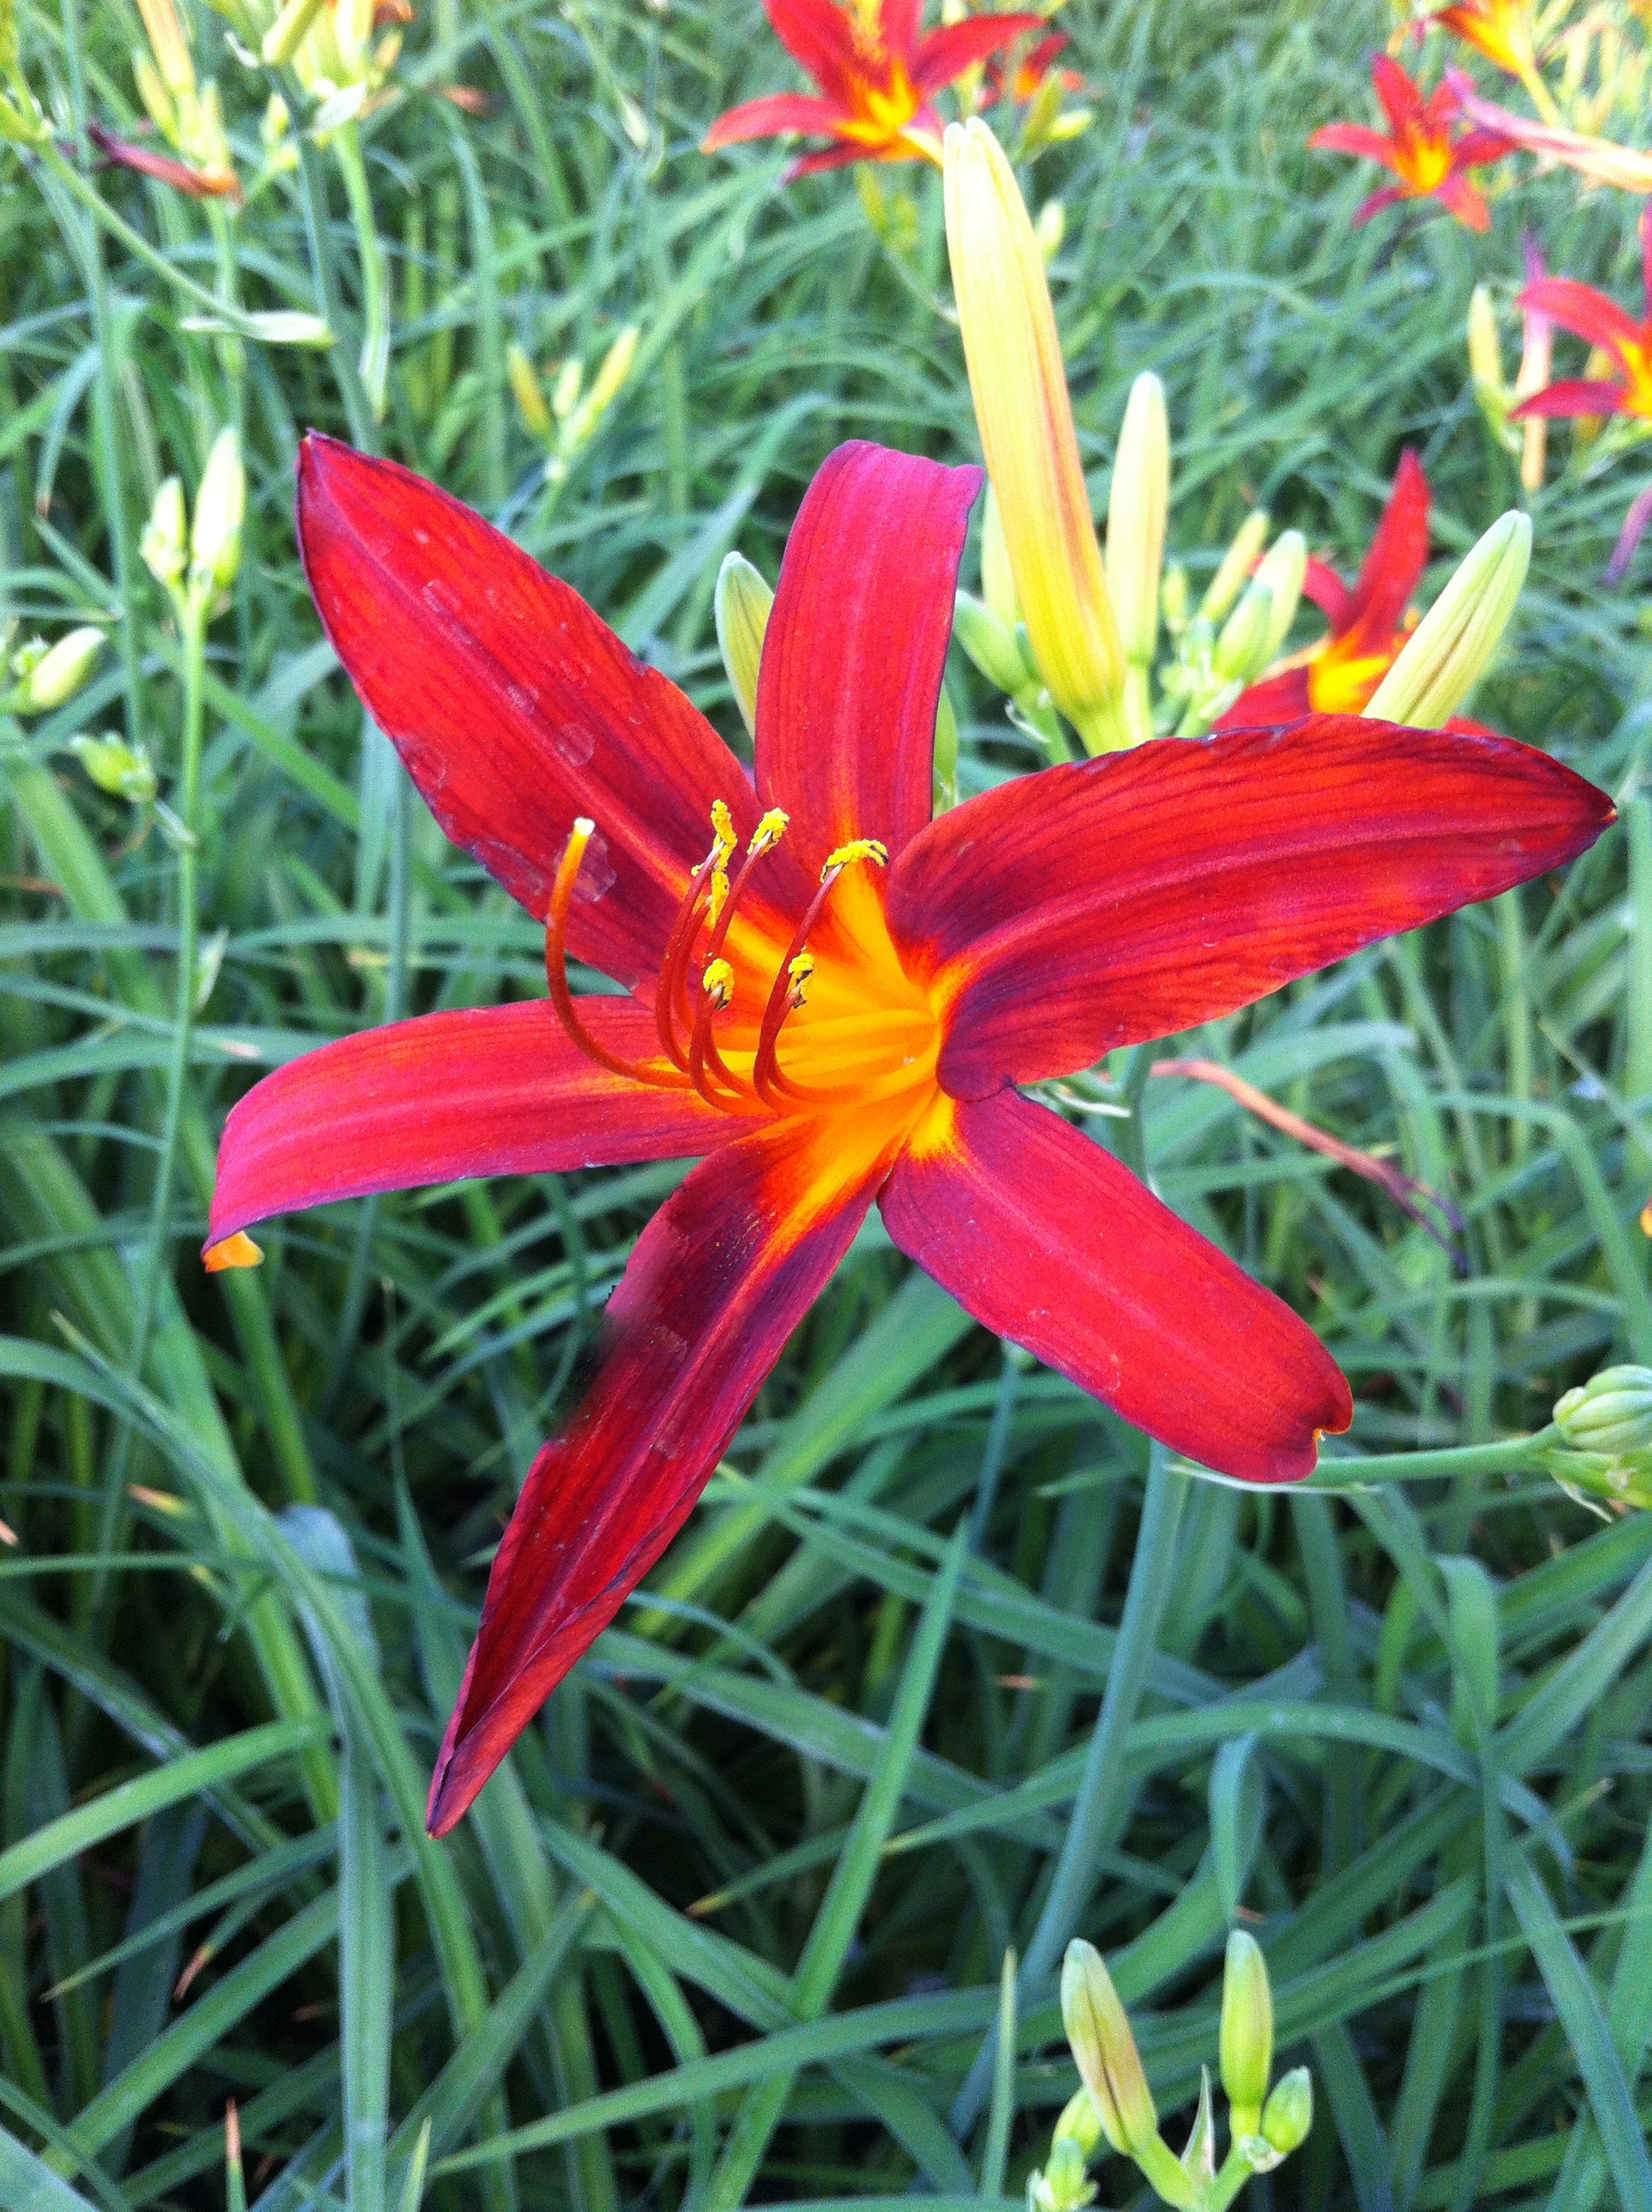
pixel 566 418
pixel 1238 627
pixel 1605 1430
pixel 1115 2106
pixel 187 114
pixel 197 560
pixel 334 48
pixel 45 676
pixel 1496 398
pixel 1451 647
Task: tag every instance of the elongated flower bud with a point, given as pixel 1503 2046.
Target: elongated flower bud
pixel 1247 2039
pixel 741 605
pixel 997 584
pixel 1079 2123
pixel 1138 508
pixel 220 509
pixel 1611 1413
pixel 993 648
pixel 164 542
pixel 1104 2050
pixel 1484 349
pixel 528 393
pixel 1288 2112
pixel 1236 566
pixel 1449 650
pixel 1025 420
pixel 609 381
pixel 48 679
pixel 286 34
pixel 1282 568
pixel 124 772
pixel 1241 651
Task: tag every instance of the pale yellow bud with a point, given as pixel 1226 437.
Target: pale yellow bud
pixel 286 34
pixel 157 100
pixel 1247 2035
pixel 164 543
pixel 1288 2113
pixel 1138 508
pixel 124 771
pixel 1236 566
pixel 1484 350
pixel 993 648
pixel 997 583
pixel 1282 571
pixel 741 605
pixel 1025 419
pixel 1051 229
pixel 609 379
pixel 1451 647
pixel 1105 2052
pixel 528 393
pixel 51 678
pixel 220 509
pixel 168 45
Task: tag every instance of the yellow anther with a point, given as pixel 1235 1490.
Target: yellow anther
pixel 718 897
pixel 858 848
pixel 722 825
pixel 769 831
pixel 717 983
pixel 798 973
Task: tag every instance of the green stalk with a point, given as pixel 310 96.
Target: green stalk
pixel 1508 1456
pixel 370 253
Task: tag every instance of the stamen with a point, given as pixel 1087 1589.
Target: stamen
pixel 787 994
pixel 561 898
pixel 674 967
pixel 717 989
pixel 858 848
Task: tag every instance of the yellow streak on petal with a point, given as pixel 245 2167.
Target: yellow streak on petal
pixel 1025 417
pixel 236 1251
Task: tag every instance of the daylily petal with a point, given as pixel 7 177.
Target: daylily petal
pixel 1397 556
pixel 1402 100
pixel 832 157
pixel 719 1279
pixel 897 22
pixel 1087 907
pixel 1276 699
pixel 515 708
pixel 853 651
pixel 1476 148
pixel 767 118
pixel 1322 585
pixel 1050 1241
pixel 946 53
pixel 1580 396
pixel 816 35
pixel 499 1090
pixel 1353 138
pixel 1390 196
pixel 1588 314
pixel 1466 202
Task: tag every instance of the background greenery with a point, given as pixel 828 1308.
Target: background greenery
pixel 1406 1734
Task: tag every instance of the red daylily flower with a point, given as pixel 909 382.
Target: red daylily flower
pixel 1499 29
pixel 876 75
pixel 1022 80
pixel 1369 624
pixel 1590 315
pixel 833 1003
pixel 1420 148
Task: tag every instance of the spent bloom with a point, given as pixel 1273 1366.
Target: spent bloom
pixel 1601 160
pixel 830 998
pixel 1427 161
pixel 877 75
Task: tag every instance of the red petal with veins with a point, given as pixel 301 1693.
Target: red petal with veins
pixel 1139 895
pixel 513 708
pixel 501 1091
pixel 719 1279
pixel 1050 1241
pixel 1588 314
pixel 767 118
pixel 946 53
pixel 1276 699
pixel 1397 556
pixel 853 651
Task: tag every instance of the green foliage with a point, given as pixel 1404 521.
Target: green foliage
pixel 733 1920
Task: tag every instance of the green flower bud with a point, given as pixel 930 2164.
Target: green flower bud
pixel 1105 2051
pixel 1611 1413
pixel 609 379
pixel 1282 568
pixel 1064 2185
pixel 1080 2122
pixel 1137 508
pixel 997 582
pixel 1241 648
pixel 220 509
pixel 1486 351
pixel 124 771
pixel 1288 2112
pixel 528 393
pixel 1051 229
pixel 741 605
pixel 565 393
pixel 164 544
pixel 1173 599
pixel 1247 2041
pixel 1449 650
pixel 286 34
pixel 49 676
pixel 1237 563
pixel 994 649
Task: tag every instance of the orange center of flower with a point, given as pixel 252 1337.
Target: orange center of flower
pixel 1342 676
pixel 1637 368
pixel 829 1019
pixel 1423 160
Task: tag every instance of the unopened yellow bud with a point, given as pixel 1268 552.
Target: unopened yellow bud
pixel 1282 571
pixel 1025 419
pixel 49 679
pixel 157 99
pixel 1451 647
pixel 609 379
pixel 1051 230
pixel 1611 1413
pixel 276 123
pixel 124 771
pixel 1288 2113
pixel 1241 651
pixel 1137 510
pixel 1484 349
pixel 997 583
pixel 164 544
pixel 528 393
pixel 1247 2038
pixel 1079 2123
pixel 1064 2185
pixel 741 605
pixel 1105 2051
pixel 286 34
pixel 1236 566
pixel 565 393
pixel 220 509
pixel 168 45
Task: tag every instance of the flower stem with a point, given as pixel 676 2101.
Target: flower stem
pixel 1506 1457
pixel 370 254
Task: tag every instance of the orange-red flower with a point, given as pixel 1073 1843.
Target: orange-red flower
pixel 833 998
pixel 1499 29
pixel 1368 625
pixel 1023 78
pixel 1420 148
pixel 877 75
pixel 1627 345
